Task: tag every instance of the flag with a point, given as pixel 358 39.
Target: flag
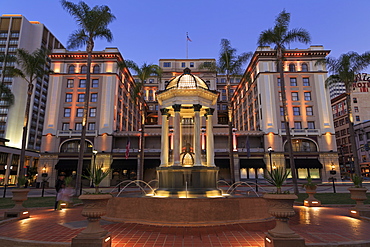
pixel 187 37
pixel 248 147
pixel 128 148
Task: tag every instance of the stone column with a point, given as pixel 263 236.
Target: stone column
pixel 176 135
pixel 164 138
pixel 210 138
pixel 197 146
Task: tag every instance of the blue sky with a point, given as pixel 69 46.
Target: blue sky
pixel 147 30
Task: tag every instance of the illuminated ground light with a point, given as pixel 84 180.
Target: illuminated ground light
pixel 25 212
pixel 107 239
pixel 353 212
pixel 268 240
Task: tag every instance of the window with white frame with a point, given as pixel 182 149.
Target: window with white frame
pixel 295 96
pixel 67 112
pixel 81 97
pixel 307 96
pixel 296 111
pixel 80 112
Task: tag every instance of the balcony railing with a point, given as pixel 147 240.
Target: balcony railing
pixel 301 132
pixel 71 133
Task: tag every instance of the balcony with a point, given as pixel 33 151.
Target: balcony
pixel 301 132
pixel 71 133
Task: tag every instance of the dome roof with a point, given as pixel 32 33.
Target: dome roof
pixel 187 81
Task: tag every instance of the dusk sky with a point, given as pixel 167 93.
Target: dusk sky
pixel 147 30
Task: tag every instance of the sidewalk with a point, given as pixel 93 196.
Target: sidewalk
pixel 319 226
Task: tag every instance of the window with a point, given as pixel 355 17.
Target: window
pixel 151 80
pixel 96 69
pixel 354 100
pixel 306 81
pixel 224 107
pixel 278 82
pixel 80 112
pixel 291 67
pixel 304 67
pixel 167 64
pixel 70 83
pixel 283 125
pixel 65 126
pixel 293 82
pixel 310 125
pixel 296 111
pixel 309 111
pixel 191 64
pixel 358 118
pixel 68 97
pixel 297 125
pixel 307 96
pixel 95 83
pixel 223 80
pixel 356 109
pixel 280 96
pixel 78 126
pixel 81 97
pixel 295 96
pixel 281 111
pixel 183 64
pixel 71 69
pixel 302 145
pixel 82 83
pixel 91 126
pixel 94 97
pixel 83 69
pixel 67 112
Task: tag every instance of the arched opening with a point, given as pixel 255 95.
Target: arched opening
pixel 302 145
pixel 73 146
pixel 96 69
pixel 83 69
pixel 304 67
pixel 71 69
pixel 292 67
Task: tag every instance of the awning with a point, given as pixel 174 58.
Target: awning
pixel 305 163
pixel 71 165
pixel 151 163
pixel 124 164
pixel 222 163
pixel 252 163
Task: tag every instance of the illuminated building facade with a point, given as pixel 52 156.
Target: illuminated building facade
pixel 17 32
pixel 112 115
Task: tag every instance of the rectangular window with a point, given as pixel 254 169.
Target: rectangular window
pixel 67 112
pixel 283 125
pixel 278 82
pixel 307 96
pixel 78 126
pixel 191 64
pixel 354 100
pixel 183 64
pixel 68 97
pixel 280 97
pixel 82 83
pixel 223 80
pixel 358 118
pixel 95 83
pixel 91 126
pixel 309 111
pixel 296 111
pixel 80 112
pixel 81 97
pixel 356 109
pixel 167 64
pixel 65 126
pixel 306 81
pixel 92 112
pixel 295 96
pixel 293 82
pixel 311 125
pixel 94 97
pixel 297 125
pixel 70 83
pixel 281 111
pixel 151 80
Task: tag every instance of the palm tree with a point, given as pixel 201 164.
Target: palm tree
pixel 30 67
pixel 93 23
pixel 6 94
pixel 143 73
pixel 280 37
pixel 229 64
pixel 344 70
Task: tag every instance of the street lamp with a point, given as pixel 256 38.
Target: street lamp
pixel 44 176
pixel 333 172
pixel 269 149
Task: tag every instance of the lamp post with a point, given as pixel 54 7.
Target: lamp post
pixel 93 168
pixel 269 149
pixel 333 172
pixel 44 175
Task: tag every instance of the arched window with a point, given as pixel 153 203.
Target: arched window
pixel 71 69
pixel 291 67
pixel 96 69
pixel 302 145
pixel 83 69
pixel 73 146
pixel 304 67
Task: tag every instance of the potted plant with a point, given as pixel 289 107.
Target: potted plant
pixel 19 196
pixel 311 191
pixel 280 204
pixel 358 193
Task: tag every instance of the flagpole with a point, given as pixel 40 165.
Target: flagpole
pixel 187 45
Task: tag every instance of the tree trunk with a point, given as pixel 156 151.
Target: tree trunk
pixel 286 123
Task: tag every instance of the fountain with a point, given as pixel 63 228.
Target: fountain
pixel 187 192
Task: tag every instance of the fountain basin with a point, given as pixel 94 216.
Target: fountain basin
pixel 187 211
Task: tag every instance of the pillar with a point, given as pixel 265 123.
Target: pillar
pixel 210 138
pixel 197 146
pixel 176 135
pixel 164 138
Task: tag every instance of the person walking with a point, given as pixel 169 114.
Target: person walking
pixel 58 186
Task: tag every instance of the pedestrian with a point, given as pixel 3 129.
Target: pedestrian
pixel 58 186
